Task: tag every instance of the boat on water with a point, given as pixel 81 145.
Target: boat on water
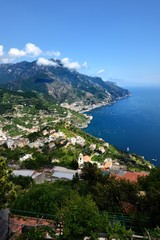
pixel 127 149
pixel 154 159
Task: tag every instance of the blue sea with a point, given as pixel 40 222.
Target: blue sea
pixel 133 123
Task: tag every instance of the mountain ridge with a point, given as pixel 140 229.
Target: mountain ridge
pixel 63 84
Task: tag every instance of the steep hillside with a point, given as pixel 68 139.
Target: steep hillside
pixel 21 113
pixel 63 84
pixel 30 122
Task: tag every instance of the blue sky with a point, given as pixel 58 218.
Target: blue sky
pixel 118 40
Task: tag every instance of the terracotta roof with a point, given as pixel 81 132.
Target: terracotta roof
pixel 87 158
pixel 133 176
pixel 17 222
pixel 107 164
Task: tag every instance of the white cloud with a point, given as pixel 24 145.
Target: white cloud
pixel 45 62
pixel 1 50
pixel 71 65
pixel 32 49
pixel 29 50
pixel 16 53
pixel 53 53
pixel 101 71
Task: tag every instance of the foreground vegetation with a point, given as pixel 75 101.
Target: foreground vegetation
pixel 95 203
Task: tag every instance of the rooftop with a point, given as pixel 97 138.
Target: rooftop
pixel 24 173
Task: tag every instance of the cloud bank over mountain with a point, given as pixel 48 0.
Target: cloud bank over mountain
pixel 32 51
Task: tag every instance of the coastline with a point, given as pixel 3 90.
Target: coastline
pixel 80 107
pixel 102 104
pixel 99 105
pixel 83 109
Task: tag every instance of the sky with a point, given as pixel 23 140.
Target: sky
pixel 118 40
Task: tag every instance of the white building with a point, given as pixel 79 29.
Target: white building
pixel 38 177
pixel 25 157
pixel 64 173
pixel 82 159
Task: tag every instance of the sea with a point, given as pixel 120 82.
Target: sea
pixel 131 124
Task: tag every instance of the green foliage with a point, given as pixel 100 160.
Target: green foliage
pixel 37 233
pixel 91 173
pixel 13 155
pixel 80 217
pixel 24 182
pixel 107 194
pixel 150 203
pixel 114 230
pixel 7 192
pixel 154 233
pixel 39 160
pixel 45 198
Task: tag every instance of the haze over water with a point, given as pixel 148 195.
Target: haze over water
pixel 132 122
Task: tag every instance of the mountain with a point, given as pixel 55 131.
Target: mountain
pixel 63 84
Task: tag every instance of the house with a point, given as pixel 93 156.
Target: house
pixel 20 224
pixel 107 164
pixel 80 141
pixel 77 140
pixel 45 132
pixel 25 157
pixel 51 145
pixel 23 172
pixel 73 140
pixel 38 177
pixel 92 147
pixel 2 134
pixel 38 143
pixel 133 176
pixel 130 176
pixel 86 158
pixel 21 142
pixel 63 173
pixel 82 159
pixel 61 134
pixel 106 144
pixel 101 149
pixel 52 131
pixel 54 160
pixel 33 129
pixel 10 143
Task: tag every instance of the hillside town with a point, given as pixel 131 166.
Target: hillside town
pixel 45 147
pixel 50 137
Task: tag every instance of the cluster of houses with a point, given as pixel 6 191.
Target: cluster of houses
pixel 58 172
pixel 107 164
pixel 50 136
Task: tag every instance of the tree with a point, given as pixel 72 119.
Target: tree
pixel 44 198
pixel 154 233
pixel 37 233
pixel 24 182
pixel 117 231
pixel 7 192
pixel 150 203
pixel 91 173
pixel 80 217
